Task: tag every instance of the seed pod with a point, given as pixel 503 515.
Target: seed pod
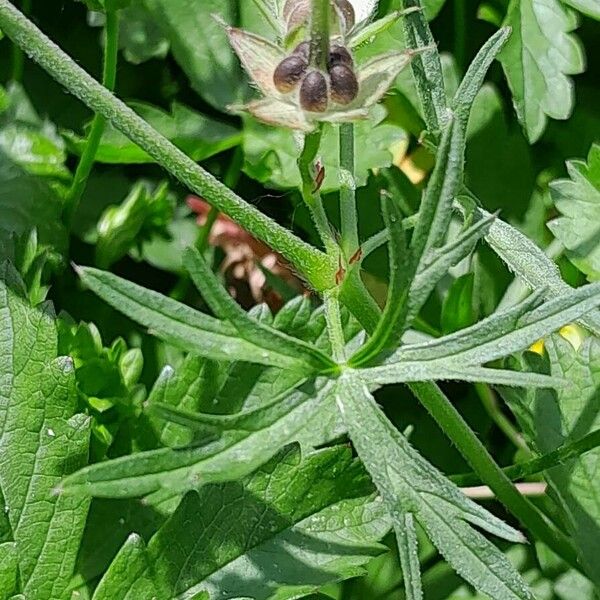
pixel 296 13
pixel 313 92
pixel 338 55
pixel 289 72
pixel 303 50
pixel 344 85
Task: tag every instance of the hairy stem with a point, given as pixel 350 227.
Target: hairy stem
pixel 532 467
pixel 109 77
pixel 319 34
pixel 310 192
pixel 348 213
pixel 334 325
pixel 318 269
pixel 18 57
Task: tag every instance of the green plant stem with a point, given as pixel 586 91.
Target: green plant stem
pixel 334 325
pixel 310 193
pixel 18 58
pixel 460 33
pixel 476 454
pixel 532 467
pixel 318 269
pixel 109 79
pixel 319 34
pixel 490 404
pixel 348 213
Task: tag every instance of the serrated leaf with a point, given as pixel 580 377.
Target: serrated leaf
pixel 537 60
pixel 578 201
pixel 409 484
pixel 249 329
pixel 41 441
pixel 552 419
pixel 179 324
pixel 199 136
pixel 296 524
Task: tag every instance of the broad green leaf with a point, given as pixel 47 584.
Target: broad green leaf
pixel 224 456
pixel 295 525
pixel 8 570
pixel 552 419
pixel 41 441
pixel 249 329
pixel 578 201
pixel 537 60
pixel 200 46
pixel 179 324
pixel 200 137
pixel 409 484
pixel 140 36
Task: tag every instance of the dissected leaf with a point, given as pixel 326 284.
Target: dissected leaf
pixel 409 484
pixel 298 523
pixel 41 441
pixel 537 60
pixel 578 201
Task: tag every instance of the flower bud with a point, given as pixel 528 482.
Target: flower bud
pixel 289 72
pixel 313 92
pixel 303 49
pixel 344 85
pixel 338 55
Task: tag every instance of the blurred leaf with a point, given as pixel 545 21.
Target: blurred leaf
pixel 537 60
pixel 143 215
pixel 103 5
pixel 140 36
pixel 200 46
pixel 197 135
pixel 458 310
pixel 550 419
pixel 271 153
pixel 41 440
pixel 29 141
pixel 295 525
pixel 578 201
pixel 591 8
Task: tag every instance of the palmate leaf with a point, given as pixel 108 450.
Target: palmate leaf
pixel 552 419
pixel 578 201
pixel 410 485
pixel 294 525
pixel 181 325
pixel 537 60
pixel 41 441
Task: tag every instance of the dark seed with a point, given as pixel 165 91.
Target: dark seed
pixel 344 85
pixel 338 55
pixel 347 11
pixel 289 72
pixel 303 49
pixel 313 92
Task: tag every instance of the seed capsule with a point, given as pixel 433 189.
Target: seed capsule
pixel 338 55
pixel 344 85
pixel 303 50
pixel 289 72
pixel 347 11
pixel 313 92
